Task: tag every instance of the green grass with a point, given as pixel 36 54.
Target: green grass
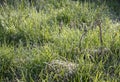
pixel 30 36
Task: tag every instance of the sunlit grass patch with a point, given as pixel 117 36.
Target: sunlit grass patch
pixel 34 35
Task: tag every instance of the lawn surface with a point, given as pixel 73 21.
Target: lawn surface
pixel 83 33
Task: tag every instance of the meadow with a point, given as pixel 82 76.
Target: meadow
pixel 84 32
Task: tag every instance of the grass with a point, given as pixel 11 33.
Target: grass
pixel 31 35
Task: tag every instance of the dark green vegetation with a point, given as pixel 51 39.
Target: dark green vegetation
pixel 34 33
